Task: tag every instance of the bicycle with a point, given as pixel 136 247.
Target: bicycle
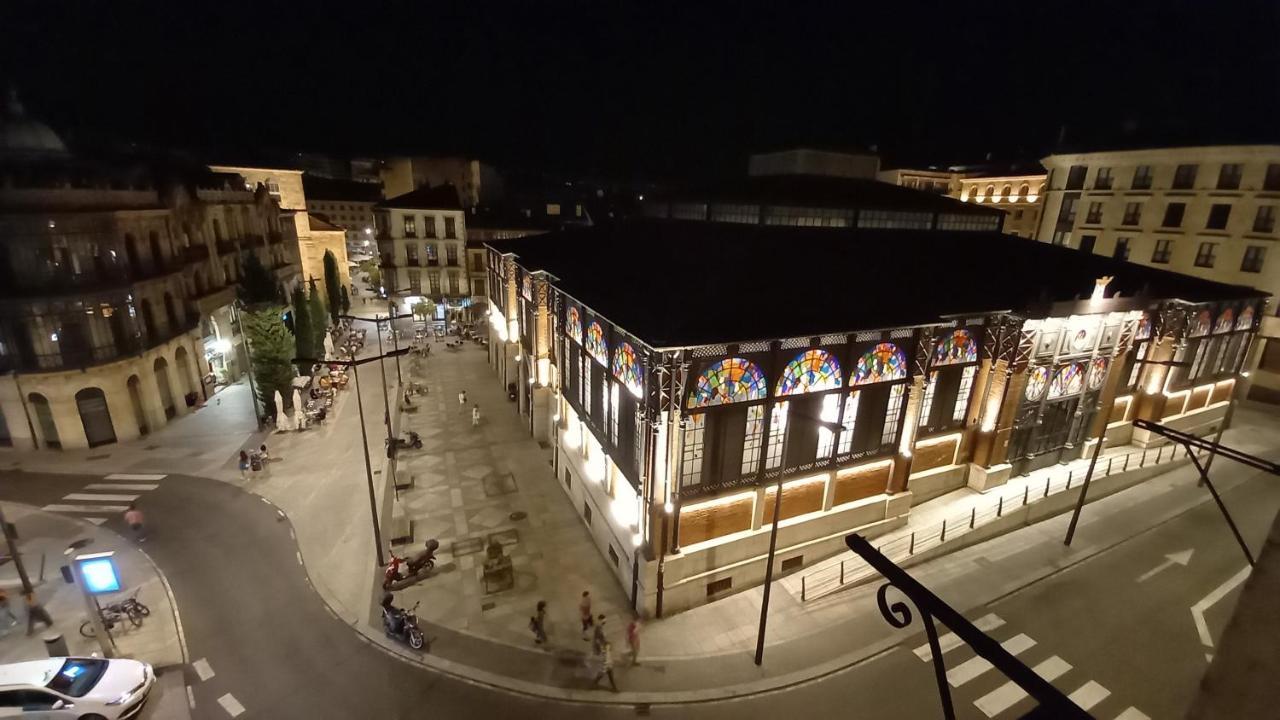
pixel 115 613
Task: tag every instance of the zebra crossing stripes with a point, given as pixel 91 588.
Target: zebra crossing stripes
pixel 96 497
pixel 976 665
pixel 60 507
pixel 986 623
pixel 1008 694
pixel 127 476
pixel 126 489
pixel 1088 695
pixel 120 486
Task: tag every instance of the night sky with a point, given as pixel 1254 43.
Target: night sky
pixel 648 88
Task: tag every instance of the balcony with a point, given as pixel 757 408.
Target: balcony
pixel 213 299
pixel 81 358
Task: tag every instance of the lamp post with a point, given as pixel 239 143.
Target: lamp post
pixel 239 308
pixel 377 321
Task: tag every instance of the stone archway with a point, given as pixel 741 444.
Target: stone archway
pixel 161 368
pixel 91 402
pixel 135 401
pixel 44 420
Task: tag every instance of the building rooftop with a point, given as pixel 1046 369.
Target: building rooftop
pixel 318 224
pixel 820 191
pixel 683 283
pixel 323 188
pixel 440 197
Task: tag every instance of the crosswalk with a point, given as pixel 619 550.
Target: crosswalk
pixel 994 696
pixel 97 501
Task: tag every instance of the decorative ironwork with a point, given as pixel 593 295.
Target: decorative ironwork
pixel 793 343
pixel 924 352
pixel 710 351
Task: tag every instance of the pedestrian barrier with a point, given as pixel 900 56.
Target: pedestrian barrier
pixel 853 570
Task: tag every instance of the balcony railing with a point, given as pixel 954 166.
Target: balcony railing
pixel 80 358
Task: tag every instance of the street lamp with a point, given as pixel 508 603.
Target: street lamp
pixel 239 307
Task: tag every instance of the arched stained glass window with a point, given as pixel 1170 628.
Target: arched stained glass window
pixel 1097 373
pixel 1144 327
pixel 728 381
pixel 1226 322
pixel 573 324
pixel 595 343
pixel 1037 381
pixel 810 371
pixel 1068 380
pixel 958 347
pixel 883 362
pixel 1201 324
pixel 1245 321
pixel 627 369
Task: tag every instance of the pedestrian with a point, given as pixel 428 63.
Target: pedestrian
pixel 598 639
pixel 605 669
pixel 538 623
pixel 633 639
pixel 36 613
pixel 133 518
pixel 266 457
pixel 244 465
pixel 475 415
pixel 462 399
pixel 584 610
pixel 4 605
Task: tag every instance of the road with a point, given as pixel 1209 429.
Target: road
pixel 250 614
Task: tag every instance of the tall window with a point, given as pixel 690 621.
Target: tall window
pixel 926 401
pixel 411 253
pixel 415 282
pixel 451 254
pixel 1207 255
pixel 1141 354
pixel 1184 178
pixel 1173 213
pixel 1229 176
pixel 890 433
pixel 1164 248
pixel 1132 214
pixel 691 467
pixel 777 431
pixel 613 411
pixel 1254 256
pixel 1265 220
pixel 1271 181
pixel 1122 249
pixel 1095 213
pixel 1102 181
pixel 962 397
pixel 1075 177
pixel 1219 213
pixel 449 230
pixel 753 442
pixel 1087 242
pixel 410 226
pixel 432 258
pixel 1142 177
pixel 434 277
pixel 849 422
pixel 428 226
pixel 830 413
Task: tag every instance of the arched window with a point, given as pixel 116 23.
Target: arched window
pixel 883 362
pixel 1226 322
pixel 1069 380
pixel 573 324
pixel 991 192
pixel 595 344
pixel 1144 327
pixel 1201 324
pixel 1005 192
pixel 1097 373
pixel 1245 321
pixel 810 371
pixel 728 381
pixel 1022 191
pixel 973 194
pixel 627 369
pixel 1037 381
pixel 958 347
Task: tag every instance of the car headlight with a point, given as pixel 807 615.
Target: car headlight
pixel 124 698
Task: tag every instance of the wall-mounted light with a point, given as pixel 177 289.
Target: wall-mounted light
pixel 669 507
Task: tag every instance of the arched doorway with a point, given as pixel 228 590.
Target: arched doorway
pixel 149 321
pixel 162 383
pixel 96 418
pixel 135 400
pixel 184 372
pixel 44 420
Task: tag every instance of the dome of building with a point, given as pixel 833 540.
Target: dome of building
pixel 23 135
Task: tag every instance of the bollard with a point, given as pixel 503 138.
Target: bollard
pixel 1000 507
pixel 911 549
pixel 943 536
pixel 1025 489
pixel 1070 473
pixel 1109 461
pixel 1046 487
pixel 802 577
pixel 973 516
pixel 841 572
pixel 1142 461
pixel 56 645
pixel 1125 467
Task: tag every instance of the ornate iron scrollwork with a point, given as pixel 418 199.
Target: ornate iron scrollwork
pixel 898 614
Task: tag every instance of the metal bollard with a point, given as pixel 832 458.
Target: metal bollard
pixel 943 536
pixel 1125 467
pixel 1070 474
pixel 1000 507
pixel 56 645
pixel 973 516
pixel 802 588
pixel 911 549
pixel 1046 487
pixel 842 572
pixel 1025 489
pixel 1109 461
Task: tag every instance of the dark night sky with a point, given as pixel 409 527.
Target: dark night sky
pixel 651 88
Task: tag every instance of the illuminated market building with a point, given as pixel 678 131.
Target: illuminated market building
pixel 678 368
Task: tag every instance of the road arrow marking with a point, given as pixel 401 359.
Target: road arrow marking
pixel 1206 602
pixel 1178 558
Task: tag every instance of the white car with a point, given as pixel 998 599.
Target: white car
pixel 75 688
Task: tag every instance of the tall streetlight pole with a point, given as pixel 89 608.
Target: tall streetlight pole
pixel 239 308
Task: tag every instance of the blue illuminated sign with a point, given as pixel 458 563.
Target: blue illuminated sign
pixel 99 573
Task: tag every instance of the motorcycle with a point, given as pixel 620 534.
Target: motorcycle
pixel 424 560
pixel 413 441
pixel 401 624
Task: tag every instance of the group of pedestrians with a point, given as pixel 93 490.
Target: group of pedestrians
pixel 35 611
pixel 593 631
pixel 475 408
pixel 253 460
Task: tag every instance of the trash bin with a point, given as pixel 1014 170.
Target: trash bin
pixel 56 645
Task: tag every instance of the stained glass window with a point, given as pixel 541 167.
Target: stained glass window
pixel 1226 321
pixel 1068 380
pixel 573 324
pixel 1245 321
pixel 728 381
pixel 1097 373
pixel 810 371
pixel 958 347
pixel 627 369
pixel 1037 381
pixel 883 362
pixel 595 344
pixel 1201 325
pixel 1144 327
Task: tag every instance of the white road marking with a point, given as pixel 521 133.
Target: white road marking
pixel 231 705
pixel 96 521
pixel 950 641
pixel 191 698
pixel 121 486
pixel 127 476
pixel 95 497
pixel 1005 696
pixel 973 667
pixel 1178 558
pixel 1088 695
pixel 1132 713
pixel 265 500
pixel 1208 601
pixel 299 554
pixel 85 508
pixel 202 669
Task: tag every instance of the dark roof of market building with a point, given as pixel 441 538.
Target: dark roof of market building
pixel 440 197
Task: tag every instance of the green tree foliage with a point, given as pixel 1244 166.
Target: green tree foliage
pixel 375 277
pixel 271 351
pixel 318 316
pixel 345 300
pixel 257 286
pixel 424 309
pixel 332 286
pixel 303 331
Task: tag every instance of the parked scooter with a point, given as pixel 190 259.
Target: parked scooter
pixel 413 441
pixel 404 568
pixel 401 624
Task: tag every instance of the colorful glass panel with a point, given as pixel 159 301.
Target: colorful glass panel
pixel 573 324
pixel 959 347
pixel 1037 381
pixel 1068 380
pixel 1226 321
pixel 1144 327
pixel 627 369
pixel 595 343
pixel 810 371
pixel 1202 323
pixel 1097 373
pixel 728 381
pixel 883 362
pixel 1245 321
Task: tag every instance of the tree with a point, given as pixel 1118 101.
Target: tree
pixel 424 309
pixel 319 318
pixel 331 285
pixel 271 352
pixel 257 286
pixel 345 300
pixel 375 277
pixel 303 332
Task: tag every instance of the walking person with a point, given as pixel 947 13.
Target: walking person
pixel 633 639
pixel 36 613
pixel 244 465
pixel 4 605
pixel 598 639
pixel 462 399
pixel 538 623
pixel 584 611
pixel 134 519
pixel 604 659
pixel 475 415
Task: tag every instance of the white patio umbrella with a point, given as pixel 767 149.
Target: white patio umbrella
pixel 328 347
pixel 299 420
pixel 282 417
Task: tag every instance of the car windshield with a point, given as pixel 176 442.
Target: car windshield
pixel 77 676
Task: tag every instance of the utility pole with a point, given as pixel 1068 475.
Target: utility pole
pixel 12 542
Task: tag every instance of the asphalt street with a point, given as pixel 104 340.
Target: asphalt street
pixel 249 613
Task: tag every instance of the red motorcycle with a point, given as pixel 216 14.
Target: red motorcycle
pixel 404 568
